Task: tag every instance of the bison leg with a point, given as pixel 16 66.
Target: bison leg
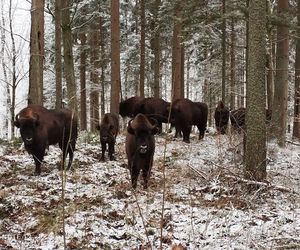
pixel 103 147
pixel 111 151
pixel 38 158
pixel 201 132
pixel 146 176
pixel 71 155
pixel 186 134
pixel 134 173
pixel 67 149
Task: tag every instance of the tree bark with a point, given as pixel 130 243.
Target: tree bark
pixel 296 127
pixel 177 53
pixel 115 57
pixel 94 77
pixel 255 160
pixel 232 67
pixel 142 49
pixel 223 51
pixel 36 63
pixel 279 114
pixel 103 65
pixel 83 109
pixel 68 55
pixel 8 107
pixel 58 57
pixel 157 50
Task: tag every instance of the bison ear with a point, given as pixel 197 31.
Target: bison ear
pixel 16 122
pixel 155 125
pixel 129 128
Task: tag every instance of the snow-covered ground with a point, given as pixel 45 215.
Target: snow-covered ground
pixel 206 203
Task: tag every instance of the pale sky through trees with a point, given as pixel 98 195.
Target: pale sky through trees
pixel 21 30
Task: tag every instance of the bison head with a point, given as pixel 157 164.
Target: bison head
pixel 106 132
pixel 143 129
pixel 27 121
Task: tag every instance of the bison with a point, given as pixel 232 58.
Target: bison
pixel 41 127
pixel 238 118
pixel 128 106
pixel 108 128
pixel 221 117
pixel 154 106
pixel 140 147
pixel 186 113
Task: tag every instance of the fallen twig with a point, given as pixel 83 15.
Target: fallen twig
pixel 267 185
pixel 198 172
pixel 292 142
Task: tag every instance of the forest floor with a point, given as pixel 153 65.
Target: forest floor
pixel 206 203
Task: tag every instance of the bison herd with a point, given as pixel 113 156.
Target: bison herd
pixel 40 127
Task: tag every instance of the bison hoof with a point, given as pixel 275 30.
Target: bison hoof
pixel 102 159
pixel 186 140
pixel 37 173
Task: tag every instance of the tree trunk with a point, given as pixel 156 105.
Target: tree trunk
pixel 68 56
pixel 36 63
pixel 156 45
pixel 58 58
pixel 232 67
pixel 188 66
pixel 115 57
pixel 94 77
pixel 103 65
pixel 296 127
pixel 83 118
pixel 255 160
pixel 269 65
pixel 14 73
pixel 4 68
pixel 279 114
pixel 223 51
pixel 177 53
pixel 142 44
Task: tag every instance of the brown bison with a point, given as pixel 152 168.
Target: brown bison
pixel 140 146
pixel 154 106
pixel 128 106
pixel 221 117
pixel 108 128
pixel 238 118
pixel 40 127
pixel 186 113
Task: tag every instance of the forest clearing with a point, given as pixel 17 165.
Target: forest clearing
pixel 207 204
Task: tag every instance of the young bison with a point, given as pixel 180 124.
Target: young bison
pixel 140 146
pixel 221 117
pixel 108 129
pixel 40 127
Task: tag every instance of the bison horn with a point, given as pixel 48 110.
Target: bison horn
pixel 17 117
pixel 129 127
